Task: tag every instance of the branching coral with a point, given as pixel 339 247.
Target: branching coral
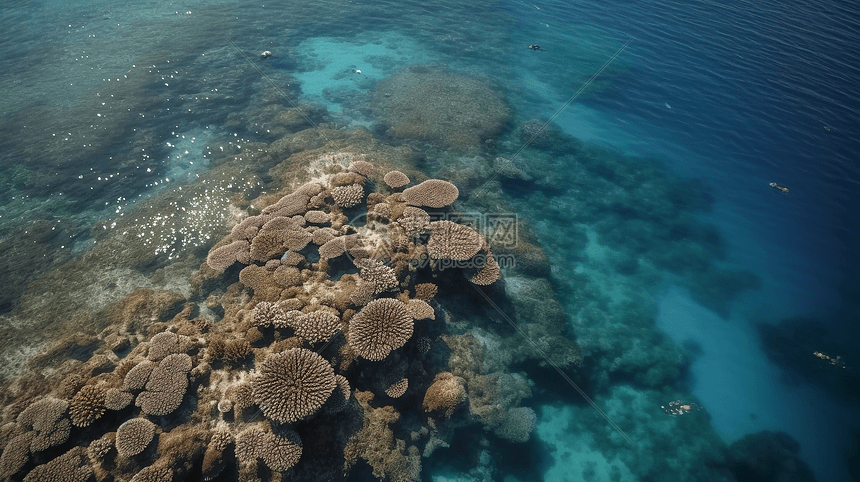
pixel 375 442
pixel 382 277
pixel 420 310
pixel 16 453
pixel 255 334
pixel 154 473
pixel 361 167
pixel 414 221
pixel 340 397
pixel 137 377
pixel 293 384
pixel 348 196
pixel 488 274
pixel 213 459
pixel 425 291
pixel 87 406
pixel 168 343
pixel 279 451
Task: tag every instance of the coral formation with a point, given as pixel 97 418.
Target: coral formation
pixel 397 389
pixel 166 385
pixel 116 399
pixel 433 193
pixel 69 467
pixel 87 406
pixel 153 474
pixel 293 384
pixel 317 326
pixel 381 326
pixel 395 179
pixel 320 307
pixel 133 436
pixel 453 241
pixel 446 393
pixel 47 419
pixel 347 196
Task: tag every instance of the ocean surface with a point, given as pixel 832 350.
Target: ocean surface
pixel 683 273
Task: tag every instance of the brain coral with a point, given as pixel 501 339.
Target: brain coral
pixel 446 392
pixel 453 241
pixel 451 109
pixel 293 384
pixel 87 406
pixel 133 436
pixel 348 196
pixel 380 327
pixel 433 193
pixel 395 179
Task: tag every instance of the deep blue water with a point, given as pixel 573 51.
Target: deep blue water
pixel 725 97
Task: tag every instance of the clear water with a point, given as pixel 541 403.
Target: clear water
pixel 105 106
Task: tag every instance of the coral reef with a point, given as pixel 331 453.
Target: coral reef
pixel 325 328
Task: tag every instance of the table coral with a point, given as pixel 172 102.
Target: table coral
pixel 381 326
pixel 293 384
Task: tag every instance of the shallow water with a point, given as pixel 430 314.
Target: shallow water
pixel 649 193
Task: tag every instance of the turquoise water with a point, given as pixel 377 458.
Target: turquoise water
pixel 682 274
